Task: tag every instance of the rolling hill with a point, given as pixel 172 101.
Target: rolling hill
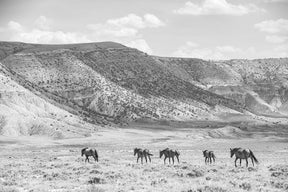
pixel 109 84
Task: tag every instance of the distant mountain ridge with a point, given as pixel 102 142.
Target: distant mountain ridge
pixel 108 83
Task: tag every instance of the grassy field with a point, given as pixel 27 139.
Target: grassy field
pixel 41 164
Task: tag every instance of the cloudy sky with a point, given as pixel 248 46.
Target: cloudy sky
pixel 209 29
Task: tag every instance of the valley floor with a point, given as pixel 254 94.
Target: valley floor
pixel 40 164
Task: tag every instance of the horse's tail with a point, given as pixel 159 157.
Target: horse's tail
pixel 96 154
pixel 213 155
pixel 253 156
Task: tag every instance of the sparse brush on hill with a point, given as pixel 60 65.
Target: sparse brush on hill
pixel 108 83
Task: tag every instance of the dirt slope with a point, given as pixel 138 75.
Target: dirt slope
pixel 24 113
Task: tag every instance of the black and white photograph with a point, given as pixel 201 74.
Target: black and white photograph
pixel 143 95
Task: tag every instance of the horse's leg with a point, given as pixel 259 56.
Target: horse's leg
pixel 87 159
pixel 165 159
pixel 252 161
pixel 205 160
pixel 210 160
pixel 246 162
pixel 178 159
pixel 240 162
pixel 138 158
pixel 145 158
pixel 214 159
pixel 173 160
pixel 141 159
pixel 236 161
pixel 149 158
pixel 169 160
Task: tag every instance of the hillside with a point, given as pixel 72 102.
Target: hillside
pixel 108 83
pixel 261 85
pixel 24 113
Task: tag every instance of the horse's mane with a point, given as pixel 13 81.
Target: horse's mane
pixel 84 149
pixel 167 149
pixel 137 149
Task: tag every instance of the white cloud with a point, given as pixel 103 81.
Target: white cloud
pixel 153 21
pixel 43 23
pixel 127 26
pixel 278 29
pixel 14 26
pixel 106 30
pixel 41 33
pixel 130 20
pixel 216 7
pixel 135 21
pixel 140 44
pixel 192 50
pixel 273 26
pixel 126 30
pixel 40 36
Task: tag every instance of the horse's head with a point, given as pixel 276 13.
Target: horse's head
pixel 161 153
pixel 83 150
pixel 135 151
pixel 204 152
pixel 232 151
pixel 177 153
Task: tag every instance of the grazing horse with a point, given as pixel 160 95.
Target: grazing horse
pixel 168 153
pixel 209 155
pixel 142 153
pixel 89 152
pixel 243 154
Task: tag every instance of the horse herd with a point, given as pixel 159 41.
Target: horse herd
pixel 239 153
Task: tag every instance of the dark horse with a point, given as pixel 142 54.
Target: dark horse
pixel 89 152
pixel 142 153
pixel 243 154
pixel 168 153
pixel 209 155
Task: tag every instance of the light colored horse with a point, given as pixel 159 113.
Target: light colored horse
pixel 209 155
pixel 243 154
pixel 89 152
pixel 142 153
pixel 168 153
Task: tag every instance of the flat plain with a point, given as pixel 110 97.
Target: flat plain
pixel 43 164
